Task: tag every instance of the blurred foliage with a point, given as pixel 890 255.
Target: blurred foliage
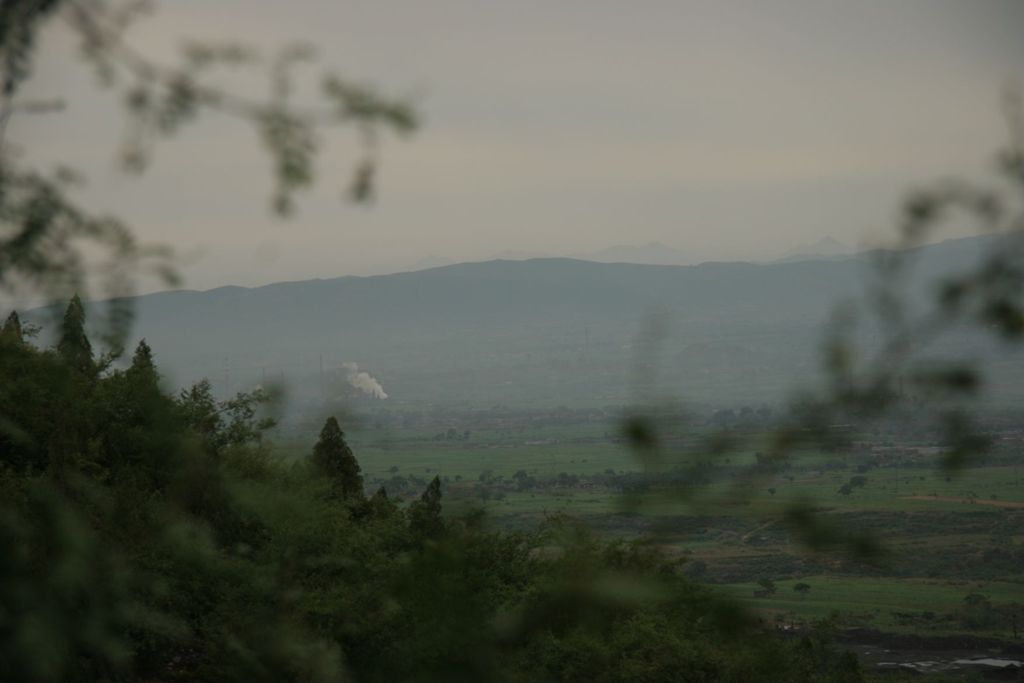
pixel 153 537
pixel 875 362
pixel 45 237
pixel 160 99
pixel 147 538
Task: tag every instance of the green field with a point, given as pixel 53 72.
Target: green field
pixel 875 602
pixel 945 536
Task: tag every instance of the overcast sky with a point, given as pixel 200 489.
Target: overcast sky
pixel 728 130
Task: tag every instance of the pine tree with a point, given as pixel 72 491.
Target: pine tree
pixel 425 514
pixel 143 357
pixel 74 345
pixel 12 329
pixel 333 457
pixel 380 506
pixel 142 366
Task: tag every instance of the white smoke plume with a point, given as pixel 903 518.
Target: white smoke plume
pixel 363 381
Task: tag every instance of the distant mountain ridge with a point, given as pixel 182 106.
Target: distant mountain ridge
pixel 827 248
pixel 539 330
pixel 653 253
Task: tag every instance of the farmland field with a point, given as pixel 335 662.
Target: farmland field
pixel 945 536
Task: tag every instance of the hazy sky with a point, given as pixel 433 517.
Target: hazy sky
pixel 729 130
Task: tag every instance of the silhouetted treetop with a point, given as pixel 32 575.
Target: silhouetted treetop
pixel 333 457
pixel 11 330
pixel 74 346
pixel 425 514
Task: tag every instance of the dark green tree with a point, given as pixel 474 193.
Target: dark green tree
pixel 74 346
pixel 425 514
pixel 803 589
pixel 33 390
pixel 142 360
pixel 200 412
pixel 221 424
pixel 334 458
pixel 12 329
pixel 139 428
pixel 244 423
pixel 142 372
pixel 379 506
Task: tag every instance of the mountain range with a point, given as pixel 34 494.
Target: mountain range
pixel 652 253
pixel 824 249
pixel 537 331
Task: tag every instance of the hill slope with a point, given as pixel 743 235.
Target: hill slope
pixel 543 330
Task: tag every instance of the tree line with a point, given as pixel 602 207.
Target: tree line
pixel 151 536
